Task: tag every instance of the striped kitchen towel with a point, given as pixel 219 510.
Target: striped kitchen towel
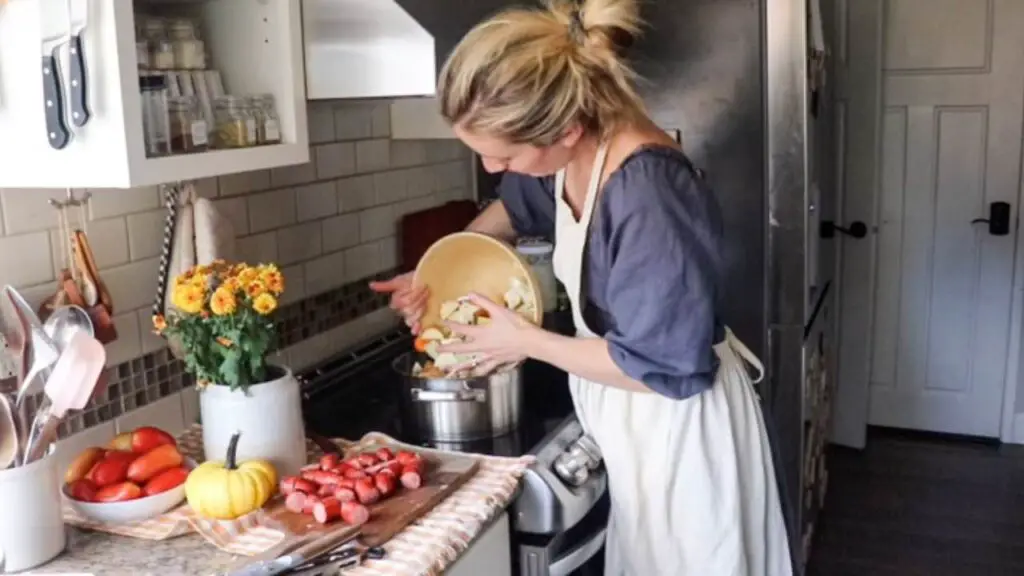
pixel 168 525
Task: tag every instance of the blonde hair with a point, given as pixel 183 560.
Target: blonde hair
pixel 528 75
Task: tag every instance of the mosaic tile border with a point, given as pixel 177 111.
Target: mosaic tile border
pixel 149 378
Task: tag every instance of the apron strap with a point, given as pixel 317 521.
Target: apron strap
pixel 745 353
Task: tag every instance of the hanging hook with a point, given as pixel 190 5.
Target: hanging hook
pixel 71 200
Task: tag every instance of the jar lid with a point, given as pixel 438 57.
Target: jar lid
pixel 535 247
pixel 152 82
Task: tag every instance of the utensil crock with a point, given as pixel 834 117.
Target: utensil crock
pixel 32 525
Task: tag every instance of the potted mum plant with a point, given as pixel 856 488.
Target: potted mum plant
pixel 221 318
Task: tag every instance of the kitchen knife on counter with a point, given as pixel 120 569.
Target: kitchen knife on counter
pixel 53 31
pixel 76 59
pixel 304 553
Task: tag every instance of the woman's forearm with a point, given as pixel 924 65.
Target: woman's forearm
pixel 494 221
pixel 587 358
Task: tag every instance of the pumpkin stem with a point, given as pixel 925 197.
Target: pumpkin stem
pixel 230 461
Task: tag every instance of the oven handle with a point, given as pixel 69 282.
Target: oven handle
pixel 573 560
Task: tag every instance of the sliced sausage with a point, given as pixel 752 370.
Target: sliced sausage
pixel 310 503
pixel 354 513
pixel 321 477
pixel 356 474
pixel 345 494
pixel 366 459
pixel 384 454
pixel 326 490
pixel 411 479
pixel 366 491
pixel 327 510
pixel 406 457
pixel 385 483
pixel 287 485
pixel 329 461
pixel 353 462
pixel 295 502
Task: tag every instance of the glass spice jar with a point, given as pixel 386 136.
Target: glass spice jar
pixel 236 128
pixel 161 49
pixel 154 114
pixel 268 125
pixel 189 132
pixel 189 49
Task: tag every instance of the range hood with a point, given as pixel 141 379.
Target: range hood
pixel 365 49
pixel 387 49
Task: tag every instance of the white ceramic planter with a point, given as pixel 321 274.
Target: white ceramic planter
pixel 268 416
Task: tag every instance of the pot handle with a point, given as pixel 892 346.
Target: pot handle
pixel 467 395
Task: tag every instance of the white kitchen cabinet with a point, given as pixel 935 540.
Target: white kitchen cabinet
pixel 255 44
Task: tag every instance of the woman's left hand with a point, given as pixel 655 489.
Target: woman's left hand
pixel 502 341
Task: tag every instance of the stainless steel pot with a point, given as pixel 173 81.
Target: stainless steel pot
pixel 460 409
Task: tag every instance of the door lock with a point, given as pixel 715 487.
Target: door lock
pixel 856 229
pixel 998 219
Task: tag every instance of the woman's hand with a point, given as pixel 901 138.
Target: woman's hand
pixel 406 299
pixel 502 341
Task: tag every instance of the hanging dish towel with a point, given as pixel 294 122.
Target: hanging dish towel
pixel 195 233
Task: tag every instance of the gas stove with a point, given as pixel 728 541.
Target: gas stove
pixel 559 516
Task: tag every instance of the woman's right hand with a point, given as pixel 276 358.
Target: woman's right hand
pixel 406 299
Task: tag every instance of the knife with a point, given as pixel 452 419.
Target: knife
pixel 296 557
pixel 79 15
pixel 52 30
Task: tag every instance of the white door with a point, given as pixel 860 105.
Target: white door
pixel 926 298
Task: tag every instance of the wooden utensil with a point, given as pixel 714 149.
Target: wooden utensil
pixel 86 262
pixel 467 262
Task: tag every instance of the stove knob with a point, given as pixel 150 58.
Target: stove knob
pixel 589 447
pixel 571 466
pixel 571 472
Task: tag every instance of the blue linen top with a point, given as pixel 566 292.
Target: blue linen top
pixel 651 268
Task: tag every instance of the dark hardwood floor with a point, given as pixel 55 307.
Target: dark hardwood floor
pixel 911 505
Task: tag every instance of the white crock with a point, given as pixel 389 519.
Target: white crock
pixel 268 416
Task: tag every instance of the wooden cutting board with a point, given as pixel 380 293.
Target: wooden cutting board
pixel 443 475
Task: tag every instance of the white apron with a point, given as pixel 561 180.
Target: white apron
pixel 692 483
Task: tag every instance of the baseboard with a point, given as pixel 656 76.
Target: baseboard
pixel 1018 429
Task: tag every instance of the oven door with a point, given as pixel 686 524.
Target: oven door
pixel 579 551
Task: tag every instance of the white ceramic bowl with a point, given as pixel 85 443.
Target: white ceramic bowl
pixel 131 510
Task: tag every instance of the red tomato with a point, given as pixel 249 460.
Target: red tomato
pixel 166 480
pixel 82 490
pixel 154 462
pixel 119 492
pixel 112 469
pixel 147 438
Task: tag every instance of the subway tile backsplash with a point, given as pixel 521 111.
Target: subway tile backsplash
pixel 330 224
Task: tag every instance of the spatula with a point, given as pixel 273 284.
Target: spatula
pixel 69 387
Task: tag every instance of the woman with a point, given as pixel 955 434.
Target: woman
pixel 656 378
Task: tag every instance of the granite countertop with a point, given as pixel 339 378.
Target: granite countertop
pixel 105 554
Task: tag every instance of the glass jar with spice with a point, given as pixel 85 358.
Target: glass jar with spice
pixel 189 49
pixel 161 49
pixel 268 125
pixel 189 132
pixel 156 133
pixel 236 127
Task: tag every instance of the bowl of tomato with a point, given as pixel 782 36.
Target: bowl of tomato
pixel 128 482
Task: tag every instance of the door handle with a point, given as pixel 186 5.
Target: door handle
pixel 856 229
pixel 998 219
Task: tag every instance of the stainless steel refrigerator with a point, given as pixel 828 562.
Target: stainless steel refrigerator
pixel 732 77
